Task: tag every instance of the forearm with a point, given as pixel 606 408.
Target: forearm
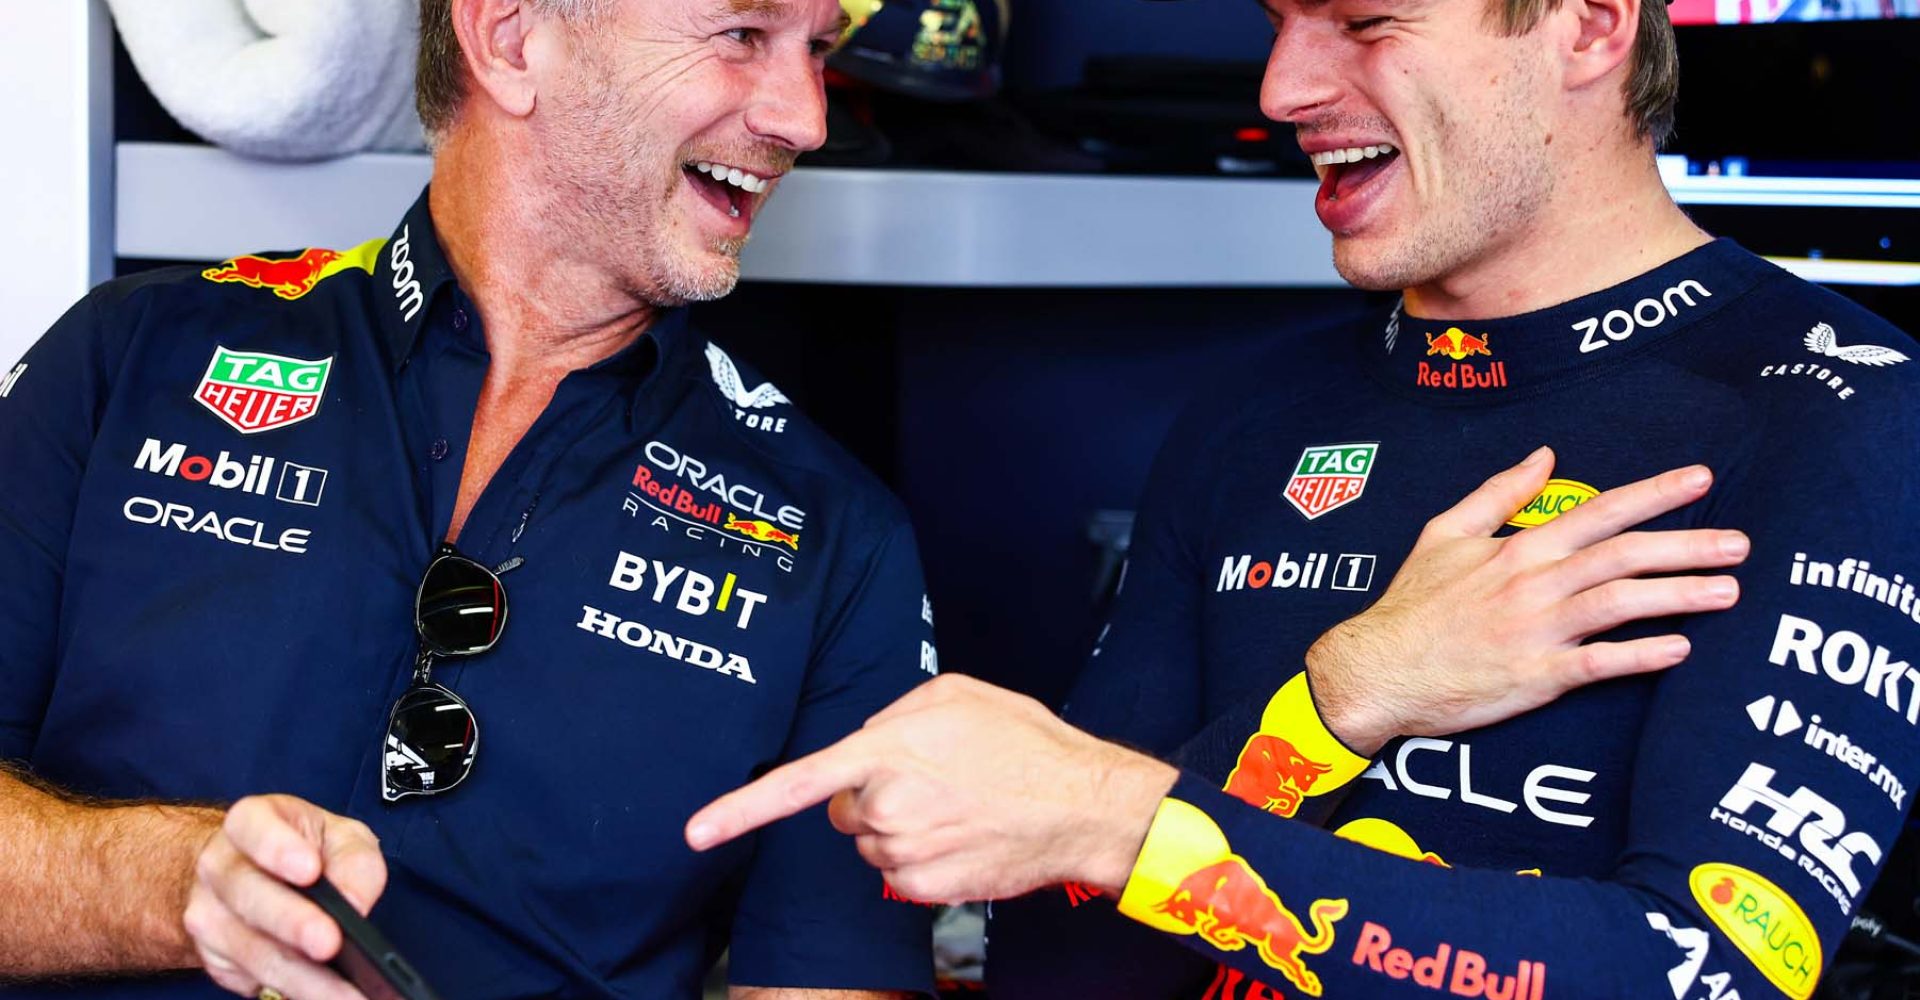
pixel 91 887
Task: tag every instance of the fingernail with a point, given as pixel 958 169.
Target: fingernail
pixel 1734 545
pixel 1722 590
pixel 1539 455
pixel 699 836
pixel 1698 477
pixel 1678 646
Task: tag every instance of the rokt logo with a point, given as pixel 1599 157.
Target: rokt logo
pixel 1847 659
pixel 298 484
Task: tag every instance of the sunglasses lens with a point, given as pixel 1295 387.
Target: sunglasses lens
pixel 462 607
pixel 431 741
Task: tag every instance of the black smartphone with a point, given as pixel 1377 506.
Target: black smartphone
pixel 367 959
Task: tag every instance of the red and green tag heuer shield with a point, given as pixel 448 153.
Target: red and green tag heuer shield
pixel 261 392
pixel 1330 476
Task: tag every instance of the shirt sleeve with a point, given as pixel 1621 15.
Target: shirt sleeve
pixel 51 402
pixel 1771 780
pixel 812 912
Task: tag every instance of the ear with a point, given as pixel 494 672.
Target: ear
pixel 1604 39
pixel 493 39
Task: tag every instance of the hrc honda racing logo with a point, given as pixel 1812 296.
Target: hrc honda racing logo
pixel 676 488
pixel 1804 827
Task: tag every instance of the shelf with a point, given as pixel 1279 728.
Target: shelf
pixel 832 226
pixel 890 227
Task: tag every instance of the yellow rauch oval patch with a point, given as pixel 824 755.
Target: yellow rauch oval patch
pixel 1560 496
pixel 1763 922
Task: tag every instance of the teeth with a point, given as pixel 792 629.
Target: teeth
pixel 1350 154
pixel 733 175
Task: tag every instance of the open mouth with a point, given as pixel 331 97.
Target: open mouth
pixel 1344 172
pixel 729 189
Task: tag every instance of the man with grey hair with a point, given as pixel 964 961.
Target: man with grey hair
pixel 230 526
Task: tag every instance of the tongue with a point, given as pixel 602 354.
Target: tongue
pixel 1352 175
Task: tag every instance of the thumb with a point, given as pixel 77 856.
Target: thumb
pixel 1484 510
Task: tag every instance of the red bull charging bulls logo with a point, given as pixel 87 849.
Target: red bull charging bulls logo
pixel 1272 775
pixel 1460 345
pixel 1229 905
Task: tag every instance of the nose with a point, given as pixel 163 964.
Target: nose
pixel 1301 79
pixel 790 104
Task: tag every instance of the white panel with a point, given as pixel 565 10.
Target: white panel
pixel 55 179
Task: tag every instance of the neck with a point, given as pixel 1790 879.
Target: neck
pixel 1604 224
pixel 547 305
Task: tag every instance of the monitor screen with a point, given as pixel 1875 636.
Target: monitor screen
pixel 1771 11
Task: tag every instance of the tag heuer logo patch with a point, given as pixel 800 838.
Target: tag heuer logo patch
pixel 262 392
pixel 1330 476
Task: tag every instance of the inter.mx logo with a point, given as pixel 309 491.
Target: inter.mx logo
pixel 1802 826
pixel 1330 476
pixel 1787 721
pixel 300 484
pixel 255 392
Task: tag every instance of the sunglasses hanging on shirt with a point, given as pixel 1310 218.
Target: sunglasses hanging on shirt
pixel 432 736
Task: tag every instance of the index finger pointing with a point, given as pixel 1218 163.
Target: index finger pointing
pixel 783 791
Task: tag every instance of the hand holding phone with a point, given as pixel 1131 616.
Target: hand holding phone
pixel 367 959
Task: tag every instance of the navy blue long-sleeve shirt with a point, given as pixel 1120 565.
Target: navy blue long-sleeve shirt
pixel 1697 833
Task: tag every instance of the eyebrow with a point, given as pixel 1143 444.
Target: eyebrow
pixel 766 8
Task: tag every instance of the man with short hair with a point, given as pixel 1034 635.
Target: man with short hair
pixel 224 486
pixel 1696 833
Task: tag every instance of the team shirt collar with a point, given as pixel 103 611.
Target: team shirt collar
pixel 412 273
pixel 1475 360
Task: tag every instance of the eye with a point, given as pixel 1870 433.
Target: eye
pixel 745 36
pixel 1361 24
pixel 820 48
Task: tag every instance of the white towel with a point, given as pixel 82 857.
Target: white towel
pixel 281 79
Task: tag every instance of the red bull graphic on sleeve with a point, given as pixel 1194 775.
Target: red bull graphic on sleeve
pixel 1272 775
pixel 1763 922
pixel 253 392
pixel 1559 496
pixel 292 277
pixel 1329 477
pixel 1447 969
pixel 1230 906
pixel 1187 880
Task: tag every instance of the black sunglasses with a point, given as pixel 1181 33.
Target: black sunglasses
pixel 432 736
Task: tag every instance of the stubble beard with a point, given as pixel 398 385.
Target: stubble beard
pixel 1500 180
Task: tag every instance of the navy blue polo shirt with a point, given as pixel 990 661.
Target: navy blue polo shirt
pixel 221 490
